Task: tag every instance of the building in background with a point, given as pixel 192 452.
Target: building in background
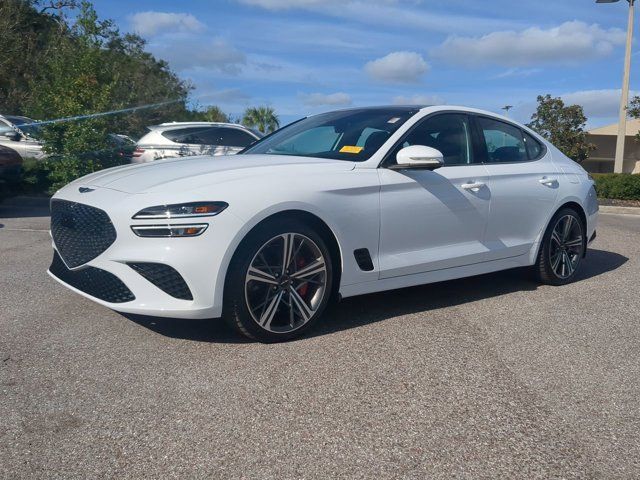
pixel 602 158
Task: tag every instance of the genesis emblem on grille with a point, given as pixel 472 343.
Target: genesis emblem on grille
pixel 85 189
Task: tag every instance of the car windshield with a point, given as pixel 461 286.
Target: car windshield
pixel 25 125
pixel 18 120
pixel 353 135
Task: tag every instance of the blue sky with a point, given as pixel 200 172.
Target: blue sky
pixel 308 56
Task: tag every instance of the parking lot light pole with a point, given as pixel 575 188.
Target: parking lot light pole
pixel 624 98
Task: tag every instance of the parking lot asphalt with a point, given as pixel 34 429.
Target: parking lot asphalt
pixel 487 377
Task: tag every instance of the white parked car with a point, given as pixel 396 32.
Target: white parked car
pixel 337 204
pixel 182 139
pixel 19 136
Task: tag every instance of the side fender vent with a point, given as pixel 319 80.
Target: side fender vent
pixel 364 259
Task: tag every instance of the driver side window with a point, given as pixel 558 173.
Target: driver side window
pixel 450 133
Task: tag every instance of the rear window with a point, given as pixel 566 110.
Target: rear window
pixel 534 148
pixel 226 137
pixel 234 137
pixel 504 142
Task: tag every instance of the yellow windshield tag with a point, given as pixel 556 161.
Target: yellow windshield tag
pixel 351 149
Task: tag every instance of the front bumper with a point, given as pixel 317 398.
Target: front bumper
pixel 200 261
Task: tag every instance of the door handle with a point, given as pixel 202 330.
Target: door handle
pixel 548 181
pixel 474 187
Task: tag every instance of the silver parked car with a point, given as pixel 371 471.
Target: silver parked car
pixel 17 135
pixel 181 139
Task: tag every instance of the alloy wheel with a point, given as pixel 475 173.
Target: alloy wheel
pixel 566 246
pixel 286 282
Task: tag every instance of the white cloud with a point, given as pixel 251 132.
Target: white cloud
pixel 571 42
pixel 399 13
pixel 517 72
pixel 216 54
pixel 151 23
pixel 319 99
pixel 286 4
pixel 227 96
pixel 398 67
pixel 418 99
pixel 596 103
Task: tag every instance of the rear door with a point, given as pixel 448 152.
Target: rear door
pixel 523 182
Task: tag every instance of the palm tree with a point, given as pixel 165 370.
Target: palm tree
pixel 262 118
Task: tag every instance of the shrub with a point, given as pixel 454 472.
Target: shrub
pixel 35 176
pixel 620 186
pixel 53 173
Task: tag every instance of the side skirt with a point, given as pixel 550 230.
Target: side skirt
pixel 434 276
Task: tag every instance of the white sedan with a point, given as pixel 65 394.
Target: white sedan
pixel 334 205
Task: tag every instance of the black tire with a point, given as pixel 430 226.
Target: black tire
pixel 238 287
pixel 557 262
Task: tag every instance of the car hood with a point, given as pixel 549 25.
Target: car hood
pixel 196 172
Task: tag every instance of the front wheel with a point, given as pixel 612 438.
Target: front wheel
pixel 279 282
pixel 562 248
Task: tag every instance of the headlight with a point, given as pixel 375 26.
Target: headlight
pixel 182 210
pixel 169 230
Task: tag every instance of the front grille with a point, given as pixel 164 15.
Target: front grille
pixel 165 278
pixel 92 281
pixel 80 232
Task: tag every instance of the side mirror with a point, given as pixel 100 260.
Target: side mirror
pixel 11 135
pixel 419 156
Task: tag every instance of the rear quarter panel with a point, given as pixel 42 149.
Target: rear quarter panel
pixel 575 187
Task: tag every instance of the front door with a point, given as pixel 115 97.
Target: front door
pixel 432 220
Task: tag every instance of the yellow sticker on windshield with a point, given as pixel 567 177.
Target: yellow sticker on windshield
pixel 351 149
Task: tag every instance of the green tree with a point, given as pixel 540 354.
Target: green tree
pixel 214 114
pixel 27 39
pixel 143 80
pixel 262 118
pixel 60 60
pixel 563 126
pixel 634 110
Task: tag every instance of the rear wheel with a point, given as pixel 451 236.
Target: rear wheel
pixel 279 282
pixel 562 248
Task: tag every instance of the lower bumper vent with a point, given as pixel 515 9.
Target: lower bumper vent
pixel 92 281
pixel 164 277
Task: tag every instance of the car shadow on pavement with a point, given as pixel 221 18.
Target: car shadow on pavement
pixel 209 330
pixel 366 309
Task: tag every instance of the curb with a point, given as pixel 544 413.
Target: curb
pixel 620 210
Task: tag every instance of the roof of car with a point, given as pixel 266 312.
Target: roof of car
pixel 169 125
pixel 17 119
pixel 397 108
